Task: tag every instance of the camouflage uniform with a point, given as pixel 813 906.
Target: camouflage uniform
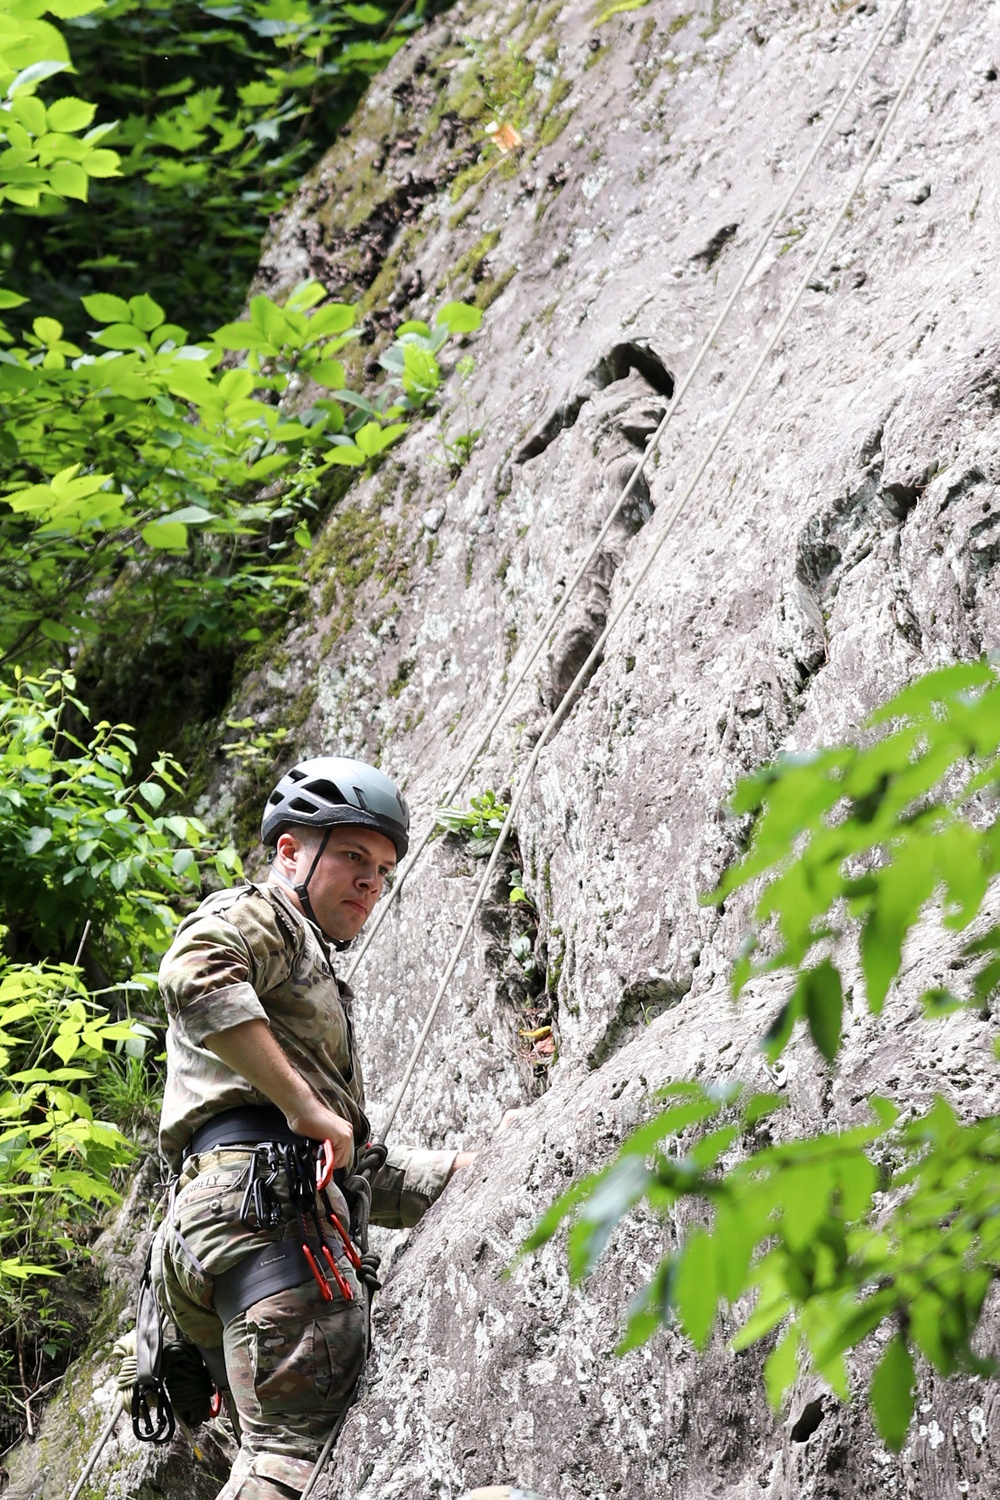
pixel 292 1359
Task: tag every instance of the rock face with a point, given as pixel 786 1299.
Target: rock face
pixel 844 538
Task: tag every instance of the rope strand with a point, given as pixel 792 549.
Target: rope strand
pixel 584 672
pixel 672 515
pixel 544 634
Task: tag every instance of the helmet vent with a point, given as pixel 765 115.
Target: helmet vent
pixel 326 791
pixel 300 805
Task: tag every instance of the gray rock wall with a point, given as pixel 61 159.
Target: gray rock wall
pixel 843 540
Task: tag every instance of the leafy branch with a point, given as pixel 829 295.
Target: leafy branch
pixel 147 463
pixel 885 1226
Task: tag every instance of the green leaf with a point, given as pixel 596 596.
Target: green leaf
pixel 806 1195
pixel 782 1366
pixel 329 373
pixel 105 308
pixel 306 295
pixel 37 72
pixel 618 1188
pixel 48 330
pixel 270 464
pixel 775 1039
pixel 933 688
pixel 144 313
pixel 335 317
pixel 191 515
pixel 823 1004
pixel 892 1393
pixel 69 114
pixel 36 840
pixel 695 1288
pixel 242 336
pixel 29 111
pixel 66 1046
pixel 102 164
pixel 69 180
pixel 421 373
pixel 120 336
pixel 366 15
pixel 372 438
pixel 153 793
pixel 54 630
pixel 346 453
pixel 459 317
pixel 165 536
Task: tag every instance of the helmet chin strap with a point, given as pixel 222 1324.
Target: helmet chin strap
pixel 302 891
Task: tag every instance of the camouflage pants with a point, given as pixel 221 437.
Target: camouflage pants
pixel 292 1359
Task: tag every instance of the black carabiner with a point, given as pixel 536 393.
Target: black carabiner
pixel 144 1400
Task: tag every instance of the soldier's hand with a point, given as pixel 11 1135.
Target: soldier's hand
pixel 322 1124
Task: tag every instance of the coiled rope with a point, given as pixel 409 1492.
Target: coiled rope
pixel 545 632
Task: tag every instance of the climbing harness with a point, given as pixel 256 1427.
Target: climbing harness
pixel 545 632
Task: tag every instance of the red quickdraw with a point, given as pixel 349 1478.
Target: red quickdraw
pixel 345 1290
pixel 215 1405
pixel 324 1165
pixel 318 1276
pixel 352 1254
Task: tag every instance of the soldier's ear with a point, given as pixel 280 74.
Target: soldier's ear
pixel 288 845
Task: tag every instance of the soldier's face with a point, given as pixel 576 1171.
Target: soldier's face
pixel 348 880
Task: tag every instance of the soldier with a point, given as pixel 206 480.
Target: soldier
pixel 261 1060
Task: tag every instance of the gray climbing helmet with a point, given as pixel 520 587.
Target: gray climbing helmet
pixel 332 790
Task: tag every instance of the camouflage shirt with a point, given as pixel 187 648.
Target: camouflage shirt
pixel 248 954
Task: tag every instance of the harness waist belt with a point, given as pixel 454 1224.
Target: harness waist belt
pixel 243 1127
pixel 262 1274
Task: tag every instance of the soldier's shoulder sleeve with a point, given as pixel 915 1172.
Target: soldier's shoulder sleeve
pixel 223 959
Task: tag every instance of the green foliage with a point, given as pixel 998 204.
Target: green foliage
pixel 93 866
pixel 478 825
pixel 51 153
pixel 81 843
pixel 140 478
pixel 880 1226
pixel 255 751
pixel 209 115
pixel 518 895
pixel 856 841
pixel 458 446
pixel 59 1157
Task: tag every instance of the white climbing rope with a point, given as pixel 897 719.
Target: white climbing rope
pixel 545 632
pixel 673 513
pixel 97 1450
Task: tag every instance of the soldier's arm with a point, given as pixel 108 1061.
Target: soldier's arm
pixel 251 1050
